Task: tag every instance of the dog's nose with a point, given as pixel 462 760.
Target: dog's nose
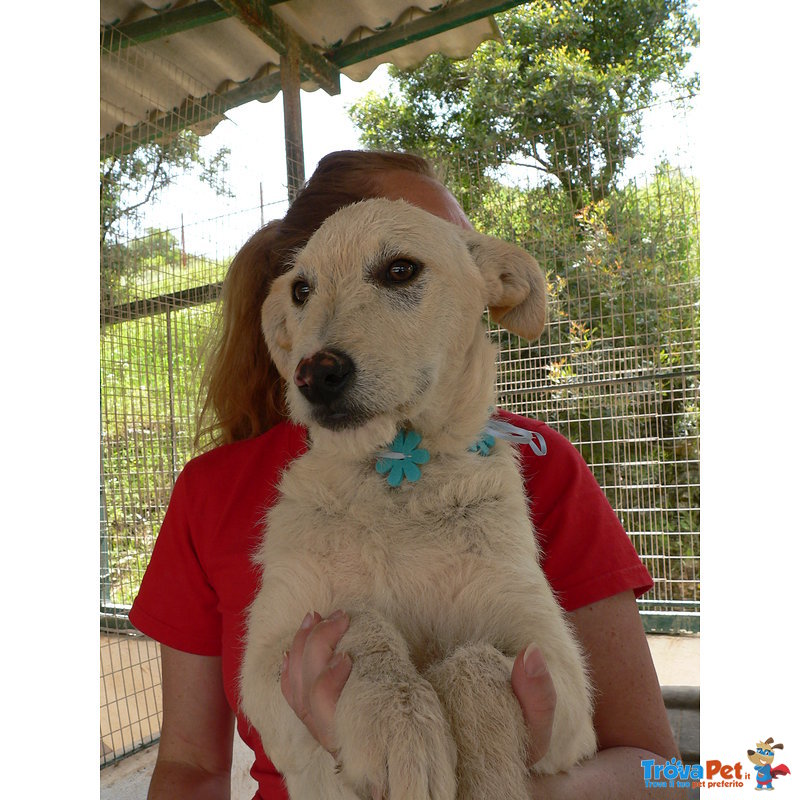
pixel 321 378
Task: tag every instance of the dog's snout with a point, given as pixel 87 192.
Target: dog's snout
pixel 322 377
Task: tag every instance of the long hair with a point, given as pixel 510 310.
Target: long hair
pixel 242 394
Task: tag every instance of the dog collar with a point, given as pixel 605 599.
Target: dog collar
pixel 403 458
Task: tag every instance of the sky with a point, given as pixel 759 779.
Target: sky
pixel 254 134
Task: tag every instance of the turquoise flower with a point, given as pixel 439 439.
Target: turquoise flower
pixel 402 458
pixel 483 446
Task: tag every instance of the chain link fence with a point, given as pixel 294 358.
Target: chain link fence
pixel 616 371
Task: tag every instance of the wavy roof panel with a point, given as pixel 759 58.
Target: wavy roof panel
pixel 165 67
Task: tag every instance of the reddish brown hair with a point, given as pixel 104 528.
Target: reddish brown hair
pixel 243 393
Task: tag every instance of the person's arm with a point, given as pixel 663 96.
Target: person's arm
pixel 195 751
pixel 629 717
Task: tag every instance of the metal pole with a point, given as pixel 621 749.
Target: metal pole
pixel 292 120
pixel 171 382
pixel 105 568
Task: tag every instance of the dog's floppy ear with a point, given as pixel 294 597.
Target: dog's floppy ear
pixel 517 295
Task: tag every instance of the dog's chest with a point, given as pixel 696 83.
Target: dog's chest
pixel 461 515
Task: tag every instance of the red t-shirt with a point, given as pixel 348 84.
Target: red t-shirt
pixel 201 580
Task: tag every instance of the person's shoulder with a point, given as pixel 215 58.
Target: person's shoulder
pixel 273 449
pixel 546 443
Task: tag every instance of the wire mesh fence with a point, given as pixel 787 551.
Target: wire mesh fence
pixel 158 305
pixel 123 67
pixel 616 371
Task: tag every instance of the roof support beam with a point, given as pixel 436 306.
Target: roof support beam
pixel 292 120
pixel 451 16
pixel 185 298
pixel 273 31
pixel 166 23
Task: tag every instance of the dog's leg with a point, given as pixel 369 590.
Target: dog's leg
pixel 286 740
pixel 287 593
pixel 526 612
pixel 479 698
pixel 390 726
pixel 573 735
pixel 485 717
pixel 320 781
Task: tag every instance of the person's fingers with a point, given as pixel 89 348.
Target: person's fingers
pixel 319 649
pixel 323 696
pixel 310 682
pixel 291 673
pixel 536 693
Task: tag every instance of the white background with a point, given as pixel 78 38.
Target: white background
pixel 49 334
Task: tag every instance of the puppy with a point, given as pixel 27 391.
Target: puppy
pixel 395 515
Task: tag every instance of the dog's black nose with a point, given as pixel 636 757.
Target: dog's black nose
pixel 322 378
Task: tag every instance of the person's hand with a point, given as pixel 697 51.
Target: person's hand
pixel 313 674
pixel 533 686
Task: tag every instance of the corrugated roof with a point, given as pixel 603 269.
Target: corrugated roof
pixel 184 64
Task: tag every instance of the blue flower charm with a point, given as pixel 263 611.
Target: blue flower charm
pixel 402 458
pixel 484 445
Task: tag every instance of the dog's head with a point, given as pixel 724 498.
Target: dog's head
pixel 377 323
pixel 765 752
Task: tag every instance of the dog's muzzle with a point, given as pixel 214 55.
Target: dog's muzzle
pixel 323 377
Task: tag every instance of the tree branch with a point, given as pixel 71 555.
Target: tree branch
pixel 123 212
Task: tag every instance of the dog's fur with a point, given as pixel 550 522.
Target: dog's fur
pixel 440 577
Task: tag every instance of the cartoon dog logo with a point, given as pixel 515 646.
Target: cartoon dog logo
pixel 762 757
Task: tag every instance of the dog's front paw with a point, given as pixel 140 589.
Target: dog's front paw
pixel 396 744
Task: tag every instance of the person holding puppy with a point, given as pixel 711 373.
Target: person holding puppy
pixel 201 579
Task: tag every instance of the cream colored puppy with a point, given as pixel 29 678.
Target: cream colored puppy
pixel 377 329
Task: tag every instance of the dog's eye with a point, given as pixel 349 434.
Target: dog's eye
pixel 401 271
pixel 300 292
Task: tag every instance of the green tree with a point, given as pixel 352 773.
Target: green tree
pixel 619 357
pixel 128 183
pixel 131 182
pixel 561 91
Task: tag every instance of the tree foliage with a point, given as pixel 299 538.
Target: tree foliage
pixel 131 182
pixel 148 393
pixel 560 91
pixel 128 183
pixel 619 357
